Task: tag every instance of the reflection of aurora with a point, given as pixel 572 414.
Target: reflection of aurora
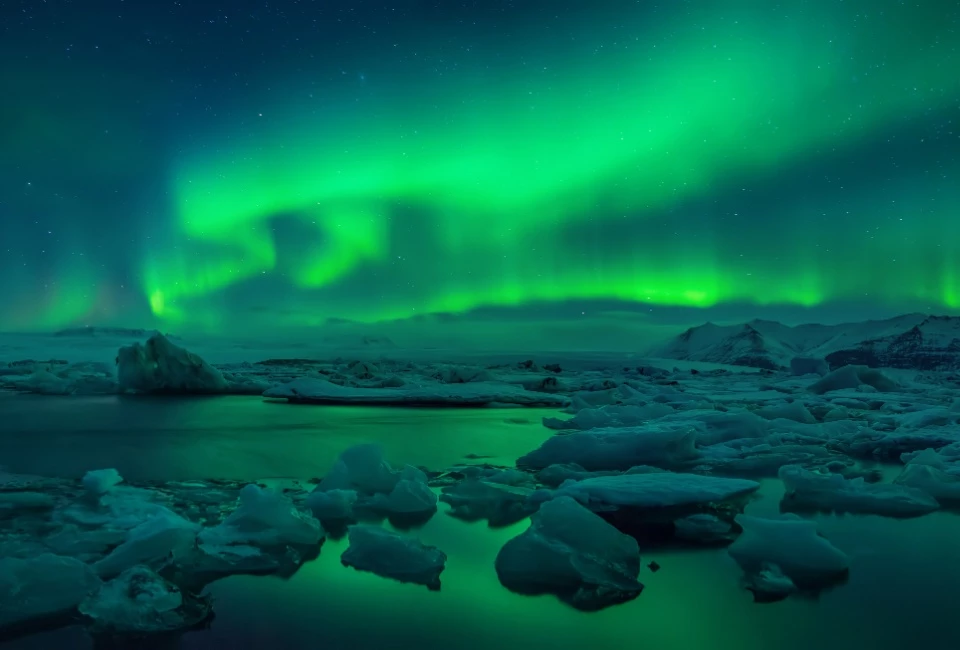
pixel 767 156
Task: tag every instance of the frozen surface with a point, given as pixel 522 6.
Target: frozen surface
pixel 571 552
pixel 392 555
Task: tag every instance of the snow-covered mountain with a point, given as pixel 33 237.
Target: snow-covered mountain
pixel 909 341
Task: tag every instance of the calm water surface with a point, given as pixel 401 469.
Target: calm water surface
pixel 901 591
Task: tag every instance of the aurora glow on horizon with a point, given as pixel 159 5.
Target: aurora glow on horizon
pixel 287 166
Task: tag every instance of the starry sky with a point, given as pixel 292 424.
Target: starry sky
pixel 216 166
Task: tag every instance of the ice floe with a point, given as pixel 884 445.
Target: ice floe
pixel 571 552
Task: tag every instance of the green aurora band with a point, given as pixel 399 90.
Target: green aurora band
pixel 518 178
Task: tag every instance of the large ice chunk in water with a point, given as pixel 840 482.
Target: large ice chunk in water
pixel 409 497
pixel 808 490
pixel 265 518
pixel 611 415
pixel 573 553
pixel 655 490
pixel 159 366
pixel 309 390
pixel 808 366
pixel 138 601
pixel 99 481
pixel 332 505
pixel 618 447
pixel 853 377
pixel 41 587
pixel 502 497
pixel 928 471
pixel 793 546
pixel 361 468
pixel 392 555
pixel 702 529
pixel 164 536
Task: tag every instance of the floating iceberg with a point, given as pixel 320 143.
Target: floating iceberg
pixel 571 552
pixel 309 390
pixel 611 415
pixel 41 587
pixel 703 529
pixel 99 481
pixel 853 377
pixel 500 503
pixel 138 601
pixel 159 366
pixel 165 536
pixel 332 504
pixel 928 471
pixel 395 556
pixel 264 518
pixel 791 544
pixel 806 490
pixel 618 448
pixel 655 490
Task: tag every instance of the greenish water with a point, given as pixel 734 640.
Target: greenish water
pixel 900 594
pixel 244 437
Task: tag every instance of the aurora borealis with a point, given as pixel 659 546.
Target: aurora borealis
pixel 202 167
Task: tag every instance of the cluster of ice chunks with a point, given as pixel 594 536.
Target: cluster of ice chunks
pixel 361 480
pixel 499 496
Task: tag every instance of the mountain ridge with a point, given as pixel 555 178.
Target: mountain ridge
pixel 913 341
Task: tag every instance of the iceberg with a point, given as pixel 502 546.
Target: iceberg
pixel 165 536
pixel 99 481
pixel 391 555
pixel 928 471
pixel 655 490
pixel 309 390
pixel 159 366
pixel 332 505
pixel 42 587
pixel 791 544
pixel 264 518
pixel 572 553
pixel 138 601
pixel 852 377
pixel 806 490
pixel 618 448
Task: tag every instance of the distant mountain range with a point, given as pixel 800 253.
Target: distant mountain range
pixel 914 341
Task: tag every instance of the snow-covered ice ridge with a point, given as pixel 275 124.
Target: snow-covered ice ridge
pixel 911 341
pixel 642 456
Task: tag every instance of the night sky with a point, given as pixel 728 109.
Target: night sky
pixel 221 165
